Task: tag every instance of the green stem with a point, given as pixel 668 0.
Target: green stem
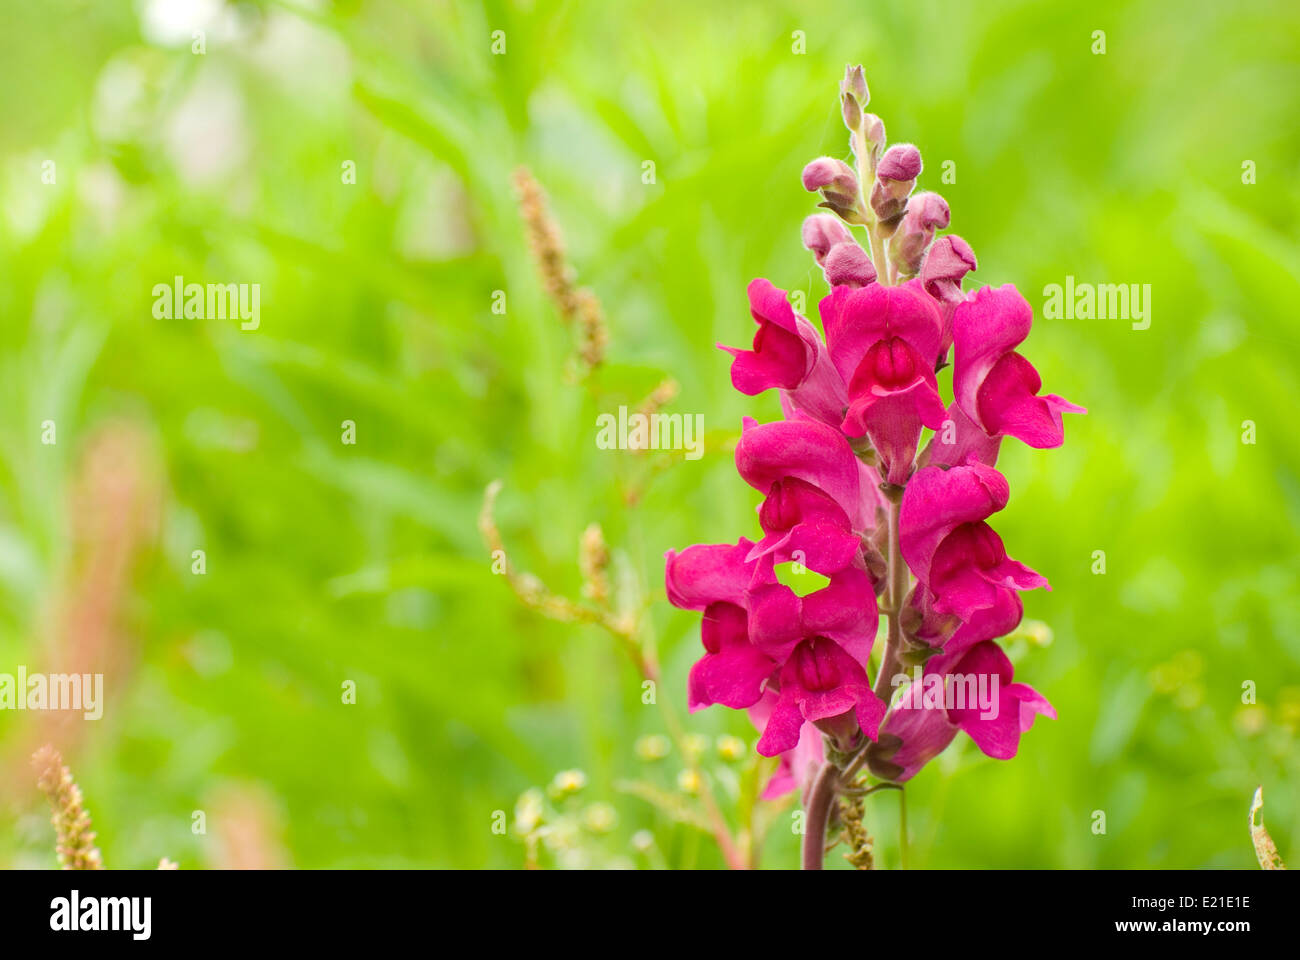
pixel 902 828
pixel 866 177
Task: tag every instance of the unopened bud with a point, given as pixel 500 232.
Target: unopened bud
pixel 901 162
pixel 851 111
pixel 855 82
pixel 853 97
pixel 843 729
pixel 821 231
pixel 926 213
pixel 838 185
pixel 895 178
pixel 947 261
pixel 873 131
pixel 830 176
pixel 848 265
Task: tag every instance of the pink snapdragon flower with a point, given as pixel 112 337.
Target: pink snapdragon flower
pixel 714 579
pixel 884 342
pixel 788 354
pixel 957 557
pixel 845 494
pixel 924 721
pixel 995 386
pixel 823 685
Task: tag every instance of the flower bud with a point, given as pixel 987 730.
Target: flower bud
pixel 926 213
pixel 831 176
pixel 947 261
pixel 821 231
pixel 855 83
pixel 851 112
pixel 838 185
pixel 848 265
pixel 873 130
pixel 843 729
pixel 895 178
pixel 853 97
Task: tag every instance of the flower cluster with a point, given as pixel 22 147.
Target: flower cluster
pixel 851 494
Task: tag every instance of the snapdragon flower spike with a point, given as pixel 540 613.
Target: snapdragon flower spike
pixel 922 723
pixel 822 684
pixel 855 403
pixel 788 354
pixel 958 557
pixel 883 341
pixel 995 386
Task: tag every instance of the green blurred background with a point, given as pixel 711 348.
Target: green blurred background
pixel 328 563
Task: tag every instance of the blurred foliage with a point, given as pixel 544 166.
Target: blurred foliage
pixel 328 563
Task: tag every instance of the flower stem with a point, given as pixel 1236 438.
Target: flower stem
pixel 898 583
pixel 866 177
pixel 902 828
pixel 818 810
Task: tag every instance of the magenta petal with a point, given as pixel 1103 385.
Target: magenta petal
pixel 804 523
pixel 1008 404
pixel 1032 703
pixel 937 501
pixel 823 705
pixel 706 573
pixel 963 592
pixel 964 442
pixel 822 395
pixel 845 611
pixel 820 547
pixel 996 387
pixel 990 323
pixel 799 765
pixel 998 736
pixel 865 316
pixel 1015 575
pixel 732 671
pixel 987 623
pixel 870 712
pixel 804 449
pixel 893 422
pixel 782 355
pixel 782 730
pixel 775 614
pixel 910 736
